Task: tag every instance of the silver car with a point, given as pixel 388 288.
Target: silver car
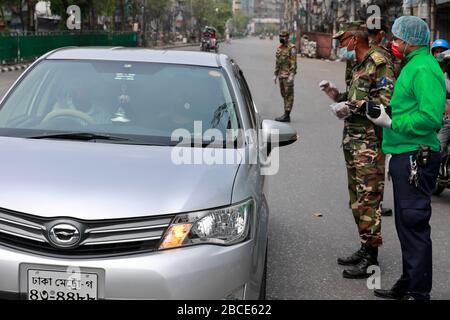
pixel 134 174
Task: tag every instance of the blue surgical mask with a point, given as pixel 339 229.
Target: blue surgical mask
pixel 348 55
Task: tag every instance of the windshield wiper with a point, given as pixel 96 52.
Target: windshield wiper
pixel 83 136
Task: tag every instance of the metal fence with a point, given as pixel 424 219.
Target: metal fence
pixel 15 48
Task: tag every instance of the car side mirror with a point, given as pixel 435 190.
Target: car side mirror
pixel 277 134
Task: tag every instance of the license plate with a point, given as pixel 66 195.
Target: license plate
pixel 61 283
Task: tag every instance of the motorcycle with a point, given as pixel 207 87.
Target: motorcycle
pixel 443 180
pixel 209 44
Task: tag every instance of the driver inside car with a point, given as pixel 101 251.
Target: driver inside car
pixel 78 106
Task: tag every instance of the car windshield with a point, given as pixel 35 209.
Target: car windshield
pixel 140 102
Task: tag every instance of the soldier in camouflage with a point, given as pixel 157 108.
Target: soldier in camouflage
pixel 285 71
pixel 372 80
pixel 377 29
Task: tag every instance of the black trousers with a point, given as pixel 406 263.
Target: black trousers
pixel 412 221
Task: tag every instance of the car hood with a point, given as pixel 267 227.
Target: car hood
pixel 84 180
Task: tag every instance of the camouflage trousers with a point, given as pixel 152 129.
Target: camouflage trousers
pixel 366 173
pixel 287 92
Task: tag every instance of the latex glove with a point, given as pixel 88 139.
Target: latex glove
pixel 341 110
pixel 275 78
pixel 383 120
pixel 291 77
pixel 330 89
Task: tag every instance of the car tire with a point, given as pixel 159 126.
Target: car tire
pixel 262 290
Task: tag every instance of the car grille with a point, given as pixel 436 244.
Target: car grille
pixel 103 238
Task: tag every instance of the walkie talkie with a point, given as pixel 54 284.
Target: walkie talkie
pixel 424 155
pixel 374 110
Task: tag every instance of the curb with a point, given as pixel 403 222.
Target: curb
pixel 17 67
pixel 175 46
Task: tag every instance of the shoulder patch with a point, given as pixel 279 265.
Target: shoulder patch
pixel 378 58
pixel 383 82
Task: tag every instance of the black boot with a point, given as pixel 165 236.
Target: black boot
pixel 352 260
pixel 398 292
pixel 390 294
pixel 286 117
pixel 359 271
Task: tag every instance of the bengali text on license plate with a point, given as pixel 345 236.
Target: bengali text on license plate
pixel 59 285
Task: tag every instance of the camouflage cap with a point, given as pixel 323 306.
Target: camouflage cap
pixel 284 33
pixel 350 26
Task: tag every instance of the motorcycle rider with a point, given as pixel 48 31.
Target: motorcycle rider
pixel 439 46
pixel 444 134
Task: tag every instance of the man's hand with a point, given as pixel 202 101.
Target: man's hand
pixel 291 77
pixel 383 120
pixel 330 89
pixel 341 110
pixel 275 78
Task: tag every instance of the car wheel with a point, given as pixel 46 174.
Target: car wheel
pixel 262 291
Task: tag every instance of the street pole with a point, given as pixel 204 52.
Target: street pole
pixel 144 26
pixel 432 9
pixel 308 17
pixel 352 10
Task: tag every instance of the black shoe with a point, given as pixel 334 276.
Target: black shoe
pixel 393 294
pixel 284 118
pixel 352 260
pixel 359 271
pixel 386 212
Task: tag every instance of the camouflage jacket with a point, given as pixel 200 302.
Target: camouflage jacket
pixel 373 79
pixel 349 73
pixel 286 61
pixel 395 64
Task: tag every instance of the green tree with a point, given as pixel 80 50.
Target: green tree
pixel 212 12
pixel 240 22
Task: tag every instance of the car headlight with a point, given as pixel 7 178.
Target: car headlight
pixel 224 226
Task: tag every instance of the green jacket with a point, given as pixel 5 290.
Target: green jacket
pixel 417 105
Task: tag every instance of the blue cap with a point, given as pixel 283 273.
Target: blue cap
pixel 440 43
pixel 412 30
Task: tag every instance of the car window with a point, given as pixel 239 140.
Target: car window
pixel 249 100
pixel 141 99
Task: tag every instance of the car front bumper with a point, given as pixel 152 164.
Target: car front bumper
pixel 198 272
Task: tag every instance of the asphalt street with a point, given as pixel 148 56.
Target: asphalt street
pixel 312 180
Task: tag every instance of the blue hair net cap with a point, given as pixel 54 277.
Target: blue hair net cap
pixel 412 30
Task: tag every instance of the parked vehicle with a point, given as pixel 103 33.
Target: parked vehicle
pixel 95 202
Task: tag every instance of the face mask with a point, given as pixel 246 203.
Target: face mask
pixel 396 52
pixel 348 55
pixel 283 41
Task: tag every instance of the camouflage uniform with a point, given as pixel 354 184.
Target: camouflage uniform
pixel 373 79
pixel 286 65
